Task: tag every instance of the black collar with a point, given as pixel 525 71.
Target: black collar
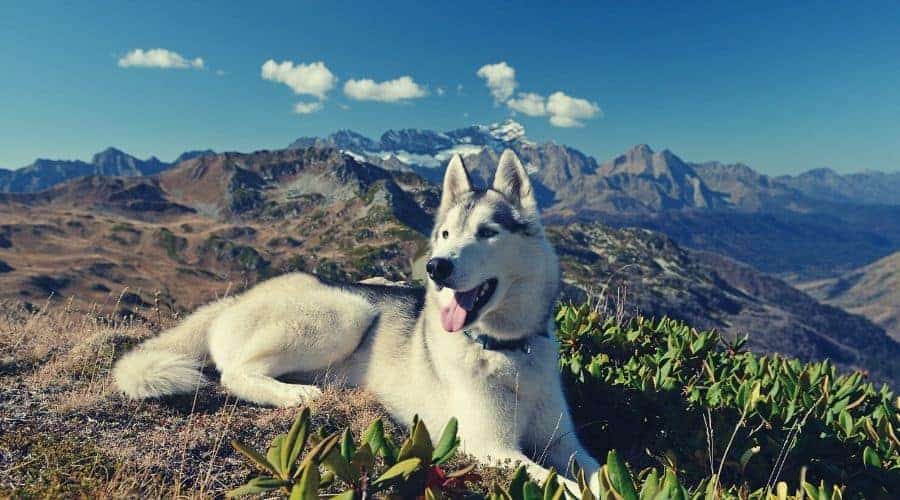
pixel 494 344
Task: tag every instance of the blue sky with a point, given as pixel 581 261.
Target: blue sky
pixel 782 88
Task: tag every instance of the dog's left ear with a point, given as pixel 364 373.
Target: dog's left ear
pixel 511 180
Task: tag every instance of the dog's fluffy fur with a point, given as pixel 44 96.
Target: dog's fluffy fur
pixel 392 341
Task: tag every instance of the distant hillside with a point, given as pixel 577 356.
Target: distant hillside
pixel 814 225
pixel 111 162
pixel 868 187
pixel 745 188
pixel 209 225
pixel 795 245
pixel 872 291
pixel 223 222
pixel 647 272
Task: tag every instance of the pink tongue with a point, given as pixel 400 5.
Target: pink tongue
pixel 453 317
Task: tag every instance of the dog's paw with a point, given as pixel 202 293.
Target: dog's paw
pixel 299 395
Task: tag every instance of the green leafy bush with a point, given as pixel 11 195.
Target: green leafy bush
pixel 669 394
pixel 335 467
pixel 376 466
pixel 693 415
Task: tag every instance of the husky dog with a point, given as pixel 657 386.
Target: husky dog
pixel 478 344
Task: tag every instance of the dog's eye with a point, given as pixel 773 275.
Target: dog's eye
pixel 485 232
pixel 445 234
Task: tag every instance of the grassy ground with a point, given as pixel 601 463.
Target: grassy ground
pixel 66 432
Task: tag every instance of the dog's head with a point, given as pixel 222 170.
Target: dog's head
pixel 490 262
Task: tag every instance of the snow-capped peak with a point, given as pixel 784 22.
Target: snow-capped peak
pixel 508 130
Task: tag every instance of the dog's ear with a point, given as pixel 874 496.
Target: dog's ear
pixel 511 180
pixel 456 183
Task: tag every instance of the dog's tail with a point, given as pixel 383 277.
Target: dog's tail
pixel 169 363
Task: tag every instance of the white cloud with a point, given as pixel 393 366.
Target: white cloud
pixel 158 58
pixel 399 89
pixel 305 108
pixel 568 111
pixel 220 72
pixel 529 103
pixel 500 79
pixel 440 91
pixel 313 79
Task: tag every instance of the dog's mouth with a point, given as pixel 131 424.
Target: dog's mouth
pixel 463 309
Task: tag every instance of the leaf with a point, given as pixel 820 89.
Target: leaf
pixel 374 436
pixel 255 486
pixel 651 485
pixel 754 396
pixel 296 440
pixel 404 468
pixel 308 486
pixel 810 491
pixel 517 482
pixel 417 445
pixel 747 455
pixel 551 485
pixel 530 491
pixel 447 444
pixel 273 456
pixel 461 472
pixel 363 459
pixel 781 490
pixel 254 457
pixel 335 462
pixel 619 476
pixel 846 422
pixel 871 458
pixel 318 453
pixel 348 448
pixel 712 484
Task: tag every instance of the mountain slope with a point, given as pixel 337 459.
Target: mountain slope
pixel 872 291
pixel 864 187
pixel 798 246
pixel 566 180
pixel 209 225
pixel 643 271
pixel 111 162
pixel 746 188
pixel 43 174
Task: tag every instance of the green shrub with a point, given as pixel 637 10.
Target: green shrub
pixel 336 466
pixel 694 417
pixel 337 463
pixel 690 401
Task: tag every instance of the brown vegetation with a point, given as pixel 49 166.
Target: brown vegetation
pixel 66 432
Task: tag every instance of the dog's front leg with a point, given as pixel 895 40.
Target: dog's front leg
pixel 503 456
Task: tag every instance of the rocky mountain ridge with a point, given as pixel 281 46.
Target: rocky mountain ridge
pixel 111 162
pixel 222 222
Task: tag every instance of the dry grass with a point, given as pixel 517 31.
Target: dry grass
pixel 66 432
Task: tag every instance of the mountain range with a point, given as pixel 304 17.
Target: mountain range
pixel 111 162
pixel 217 223
pixel 812 226
pixel 240 217
pixel 790 226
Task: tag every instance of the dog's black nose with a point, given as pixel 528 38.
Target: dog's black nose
pixel 439 269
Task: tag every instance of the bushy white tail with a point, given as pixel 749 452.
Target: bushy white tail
pixel 144 373
pixel 171 362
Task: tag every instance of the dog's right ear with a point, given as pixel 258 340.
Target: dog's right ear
pixel 456 183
